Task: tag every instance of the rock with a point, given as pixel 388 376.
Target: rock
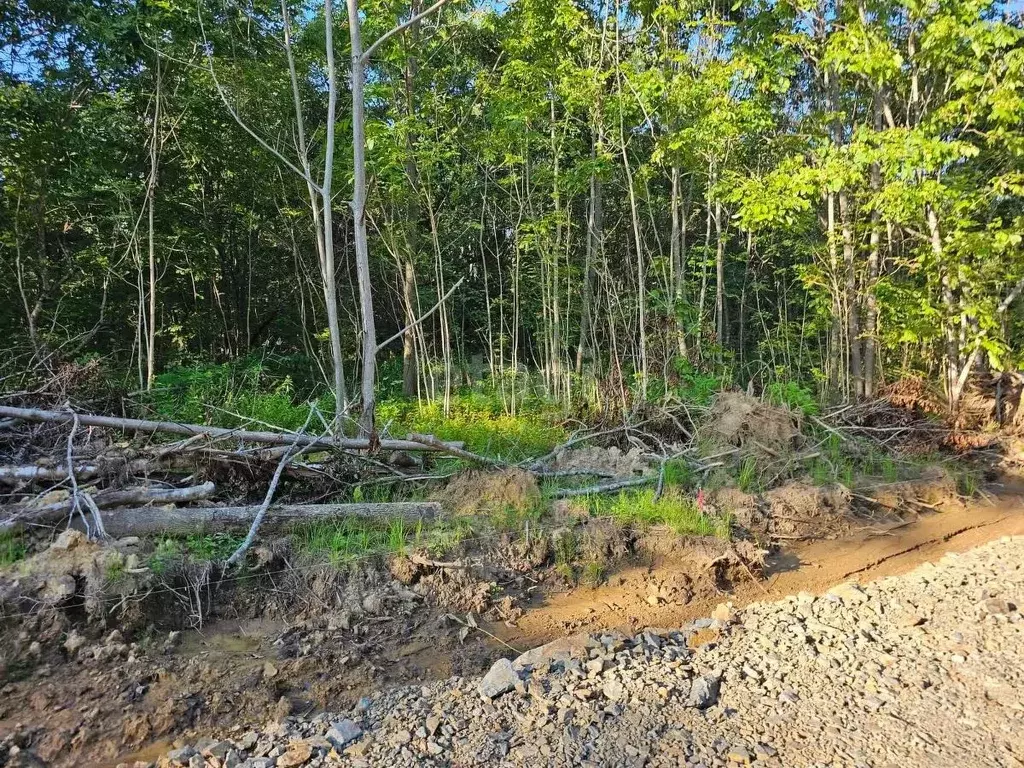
pixel 614 690
pixel 181 756
pixel 342 732
pixel 724 613
pixel 269 670
pixel 703 692
pixel 849 593
pixel 74 642
pixel 561 650
pixel 70 539
pixel 297 754
pixel 57 589
pixel 739 755
pixel 501 678
pixel 432 724
pixel 998 606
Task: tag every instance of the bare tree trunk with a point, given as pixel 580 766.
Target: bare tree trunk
pixel 870 300
pixel 595 224
pixel 369 372
pixel 853 303
pixel 154 155
pixel 409 365
pixel 720 325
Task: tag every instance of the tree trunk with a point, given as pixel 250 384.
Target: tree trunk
pixel 369 373
pixel 853 303
pixel 154 155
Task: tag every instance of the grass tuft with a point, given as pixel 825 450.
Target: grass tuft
pixel 675 510
pixel 12 547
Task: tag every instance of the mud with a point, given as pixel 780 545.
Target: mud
pixel 304 639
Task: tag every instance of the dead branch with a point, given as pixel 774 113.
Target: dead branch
pixel 431 442
pixel 567 493
pixel 250 537
pixel 268 438
pixel 107 499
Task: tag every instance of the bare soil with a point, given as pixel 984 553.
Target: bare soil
pixel 119 699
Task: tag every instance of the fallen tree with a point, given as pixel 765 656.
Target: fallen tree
pixel 49 513
pixel 246 435
pixel 143 521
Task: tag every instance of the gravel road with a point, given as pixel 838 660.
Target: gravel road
pixel 923 669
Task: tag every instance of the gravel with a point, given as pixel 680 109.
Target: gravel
pixel 920 669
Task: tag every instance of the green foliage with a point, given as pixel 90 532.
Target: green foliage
pixel 566 546
pixel 792 395
pixel 679 473
pixel 676 511
pixel 479 420
pixel 237 394
pixel 747 478
pixel 12 547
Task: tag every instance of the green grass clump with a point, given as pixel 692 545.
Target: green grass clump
pixel 341 541
pixel 747 478
pixel 12 547
pixel 592 574
pixel 480 422
pixel 677 511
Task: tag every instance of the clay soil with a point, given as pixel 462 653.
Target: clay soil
pixel 119 700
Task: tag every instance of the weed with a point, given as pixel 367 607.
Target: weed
pixel 566 572
pixel 115 570
pixel 678 512
pixel 967 483
pixel 167 554
pixel 341 541
pixel 592 574
pixel 793 396
pixel 679 473
pixel 566 547
pixel 12 547
pixel 216 546
pixel 747 478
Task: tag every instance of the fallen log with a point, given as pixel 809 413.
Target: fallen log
pixel 30 473
pixel 106 499
pixel 267 438
pixel 142 521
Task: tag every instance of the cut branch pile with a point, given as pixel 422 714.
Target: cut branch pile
pixel 75 471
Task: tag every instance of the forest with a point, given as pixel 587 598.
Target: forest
pixel 591 204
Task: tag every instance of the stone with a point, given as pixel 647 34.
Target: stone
pixel 501 678
pixel 614 690
pixel 297 754
pixel 557 651
pixel 739 755
pixel 703 692
pixel 342 732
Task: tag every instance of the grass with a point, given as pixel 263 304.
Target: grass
pixel 259 391
pixel 674 510
pixel 747 478
pixel 347 539
pixel 12 547
pixel 592 574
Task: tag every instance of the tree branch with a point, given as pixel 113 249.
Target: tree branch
pixel 400 28
pixel 422 317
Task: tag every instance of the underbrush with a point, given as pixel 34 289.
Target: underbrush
pixel 251 392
